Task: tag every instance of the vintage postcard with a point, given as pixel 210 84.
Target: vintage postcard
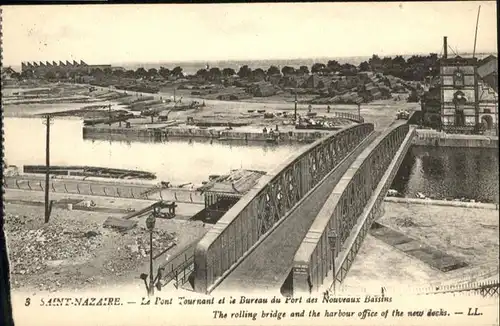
pixel 248 164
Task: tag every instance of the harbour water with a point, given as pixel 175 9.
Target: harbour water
pixel 177 161
pixel 447 173
pixel 436 172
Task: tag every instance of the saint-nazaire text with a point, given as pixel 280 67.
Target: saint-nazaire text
pixel 80 301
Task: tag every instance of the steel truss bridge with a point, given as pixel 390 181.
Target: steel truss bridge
pixel 277 236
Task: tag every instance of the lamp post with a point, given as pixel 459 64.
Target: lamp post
pixel 150 225
pixel 359 111
pixel 332 238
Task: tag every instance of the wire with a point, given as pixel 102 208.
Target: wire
pixel 452 50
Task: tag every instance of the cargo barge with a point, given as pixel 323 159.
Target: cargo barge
pixel 90 171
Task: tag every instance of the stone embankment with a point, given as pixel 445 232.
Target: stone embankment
pixel 434 138
pixel 454 203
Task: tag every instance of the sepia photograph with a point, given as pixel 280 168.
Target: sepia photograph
pixel 304 160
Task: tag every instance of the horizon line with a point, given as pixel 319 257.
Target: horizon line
pixel 300 58
pixel 180 61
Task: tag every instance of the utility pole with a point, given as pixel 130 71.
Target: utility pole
pixel 295 111
pixel 47 122
pixel 109 113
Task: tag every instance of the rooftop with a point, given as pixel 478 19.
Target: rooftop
pixel 458 60
pixel 237 182
pixel 488 67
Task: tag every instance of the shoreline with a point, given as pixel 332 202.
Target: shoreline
pixel 438 202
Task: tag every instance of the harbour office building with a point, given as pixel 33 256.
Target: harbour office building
pixel 459 94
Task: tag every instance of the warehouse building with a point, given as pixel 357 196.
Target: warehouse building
pixel 40 69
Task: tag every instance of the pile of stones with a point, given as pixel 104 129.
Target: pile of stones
pixel 33 244
pixel 135 249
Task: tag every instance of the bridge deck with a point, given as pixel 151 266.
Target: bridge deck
pixel 267 267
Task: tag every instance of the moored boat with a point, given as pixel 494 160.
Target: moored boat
pixel 90 171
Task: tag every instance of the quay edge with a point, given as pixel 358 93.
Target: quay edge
pixel 431 138
pixel 135 133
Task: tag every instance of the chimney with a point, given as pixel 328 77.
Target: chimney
pixel 445 44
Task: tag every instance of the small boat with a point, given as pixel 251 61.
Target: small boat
pixel 420 195
pixel 120 118
pixel 392 193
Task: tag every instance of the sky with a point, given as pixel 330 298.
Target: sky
pixel 107 34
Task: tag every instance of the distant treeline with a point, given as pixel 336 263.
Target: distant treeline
pixel 414 68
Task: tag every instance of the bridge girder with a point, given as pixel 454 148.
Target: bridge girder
pixel 314 260
pixel 259 211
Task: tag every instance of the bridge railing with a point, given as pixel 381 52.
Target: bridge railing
pixel 253 217
pixel 349 116
pixel 314 259
pixel 130 191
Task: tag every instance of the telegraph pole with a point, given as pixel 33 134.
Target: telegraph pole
pixel 109 113
pixel 295 110
pixel 47 122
